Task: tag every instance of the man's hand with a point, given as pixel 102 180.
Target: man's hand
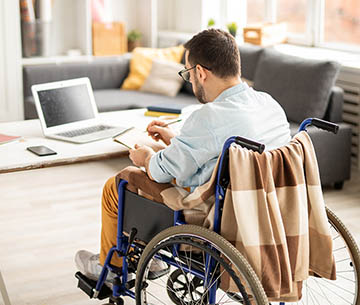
pixel 156 130
pixel 141 155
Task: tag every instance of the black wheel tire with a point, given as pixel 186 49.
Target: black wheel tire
pixel 227 249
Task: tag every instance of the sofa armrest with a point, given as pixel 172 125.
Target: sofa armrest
pixel 335 107
pixel 333 152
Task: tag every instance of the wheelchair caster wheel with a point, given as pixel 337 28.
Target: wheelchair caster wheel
pixel 185 289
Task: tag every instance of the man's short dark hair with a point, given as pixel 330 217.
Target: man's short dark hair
pixel 217 50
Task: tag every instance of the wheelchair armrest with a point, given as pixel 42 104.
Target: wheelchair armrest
pixel 139 180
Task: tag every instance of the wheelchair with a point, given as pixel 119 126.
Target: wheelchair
pixel 198 258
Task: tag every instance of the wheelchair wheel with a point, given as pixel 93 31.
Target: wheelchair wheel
pixel 345 290
pixel 204 267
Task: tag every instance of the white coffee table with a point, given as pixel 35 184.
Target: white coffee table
pixel 15 157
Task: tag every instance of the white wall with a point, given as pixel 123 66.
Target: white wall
pixel 3 105
pixel 236 11
pixel 11 101
pixel 83 27
pixel 192 16
pixel 182 15
pixel 125 11
pixel 178 20
pixel 166 15
pixel 146 16
pixel 65 28
pixel 211 9
pixel 188 15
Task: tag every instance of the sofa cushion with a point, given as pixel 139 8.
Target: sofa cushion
pixel 115 99
pixel 249 57
pixel 103 73
pixel 141 62
pixel 301 86
pixel 163 78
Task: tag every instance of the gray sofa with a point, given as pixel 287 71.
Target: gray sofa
pixel 305 88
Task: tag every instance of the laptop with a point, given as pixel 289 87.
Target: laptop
pixel 67 111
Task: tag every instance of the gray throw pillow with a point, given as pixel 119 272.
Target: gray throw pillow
pixel 301 86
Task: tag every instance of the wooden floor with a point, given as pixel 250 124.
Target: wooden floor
pixel 46 215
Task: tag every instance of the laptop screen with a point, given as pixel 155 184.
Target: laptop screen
pixel 66 105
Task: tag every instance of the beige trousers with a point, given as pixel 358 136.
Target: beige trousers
pixel 109 218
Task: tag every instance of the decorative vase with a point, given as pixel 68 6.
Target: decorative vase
pixel 133 44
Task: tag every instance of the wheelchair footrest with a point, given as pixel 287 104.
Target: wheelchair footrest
pixel 88 286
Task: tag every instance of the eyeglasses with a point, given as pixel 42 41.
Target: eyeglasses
pixel 185 74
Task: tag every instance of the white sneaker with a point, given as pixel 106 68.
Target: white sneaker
pixel 89 265
pixel 158 268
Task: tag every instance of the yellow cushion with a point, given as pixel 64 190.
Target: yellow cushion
pixel 141 62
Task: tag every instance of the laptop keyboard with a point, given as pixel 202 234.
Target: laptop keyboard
pixel 84 131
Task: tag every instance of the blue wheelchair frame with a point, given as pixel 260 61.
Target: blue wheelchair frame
pixel 124 243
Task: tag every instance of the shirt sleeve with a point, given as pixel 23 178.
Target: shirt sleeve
pixel 186 155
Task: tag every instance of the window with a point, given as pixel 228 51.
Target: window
pixel 325 23
pixel 342 21
pixel 255 11
pixel 236 11
pixel 294 14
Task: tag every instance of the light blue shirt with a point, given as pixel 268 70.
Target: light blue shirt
pixel 238 111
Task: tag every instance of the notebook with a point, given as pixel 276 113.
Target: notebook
pixel 67 111
pixel 4 138
pixel 170 108
pixel 134 136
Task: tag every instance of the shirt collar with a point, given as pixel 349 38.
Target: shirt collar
pixel 231 91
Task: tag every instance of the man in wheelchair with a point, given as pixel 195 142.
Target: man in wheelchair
pixel 231 107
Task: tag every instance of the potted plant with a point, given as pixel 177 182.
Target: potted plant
pixel 134 37
pixel 211 23
pixel 232 27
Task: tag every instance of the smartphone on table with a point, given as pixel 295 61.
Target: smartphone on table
pixel 41 150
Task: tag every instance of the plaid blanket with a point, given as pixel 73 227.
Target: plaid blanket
pixel 274 213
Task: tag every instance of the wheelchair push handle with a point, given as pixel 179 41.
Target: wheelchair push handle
pixel 322 124
pixel 250 144
pixel 329 126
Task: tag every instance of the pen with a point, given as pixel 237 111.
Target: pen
pixel 176 121
pixel 166 125
pixel 123 144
